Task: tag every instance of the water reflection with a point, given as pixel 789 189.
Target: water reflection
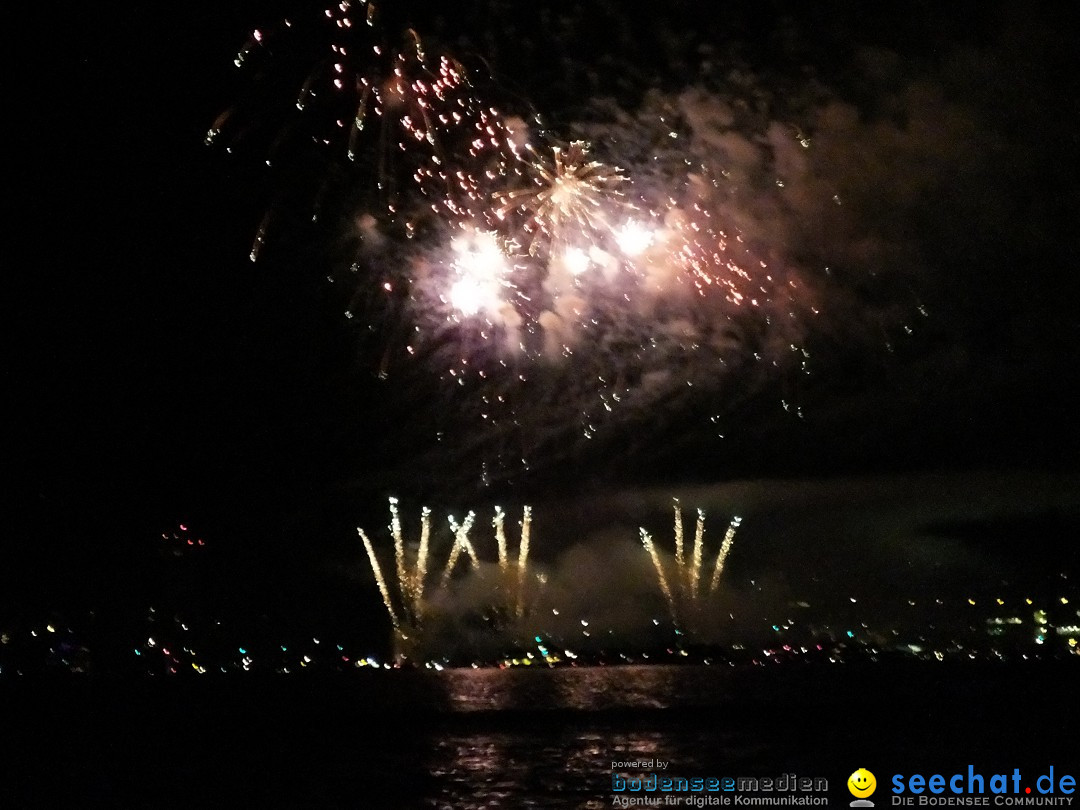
pixel 586 689
pixel 548 738
pixel 540 767
pixel 553 738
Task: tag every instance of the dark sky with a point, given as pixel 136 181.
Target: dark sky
pixel 156 375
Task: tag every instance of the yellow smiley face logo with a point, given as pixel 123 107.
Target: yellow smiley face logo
pixel 861 783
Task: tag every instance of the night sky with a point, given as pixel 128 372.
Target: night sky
pixel 157 376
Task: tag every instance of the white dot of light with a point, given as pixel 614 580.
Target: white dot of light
pixel 633 238
pixel 575 260
pixel 560 194
pixel 481 267
pixel 468 296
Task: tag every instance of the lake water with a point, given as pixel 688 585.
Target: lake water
pixel 471 739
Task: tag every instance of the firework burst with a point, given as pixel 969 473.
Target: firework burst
pixel 406 607
pixel 685 597
pixel 407 604
pixel 551 289
pixel 568 195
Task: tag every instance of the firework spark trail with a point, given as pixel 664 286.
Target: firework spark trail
pixel 725 549
pixel 379 580
pixel 500 539
pixel 404 581
pixel 421 559
pixel 699 540
pixel 455 552
pixel 680 560
pixel 688 572
pixel 410 580
pixel 523 558
pixel 461 536
pixel 650 547
pixel 461 543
